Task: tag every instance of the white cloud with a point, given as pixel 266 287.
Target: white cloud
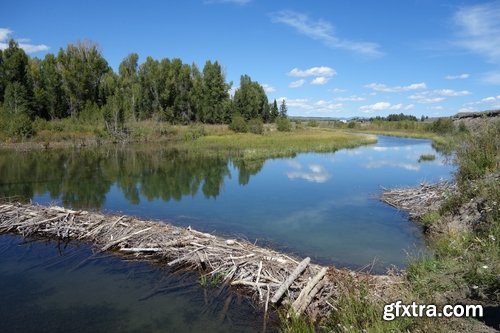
pixel 323 31
pixel 268 89
pixel 24 43
pixel 309 106
pixel 451 93
pixel 323 71
pixel 467 109
pixel 409 106
pixel 321 75
pixel 4 34
pixel 490 102
pixel 352 98
pixel 480 29
pixel 379 106
pixel 437 107
pixel 296 84
pixel 384 88
pixel 383 163
pixel 457 77
pixel 338 90
pixel 436 96
pixel 316 174
pixel 320 80
pixel 491 78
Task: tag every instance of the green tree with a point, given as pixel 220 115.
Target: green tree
pixel 274 112
pixel 14 66
pixel 283 109
pixel 54 99
pixel 82 68
pixel 250 100
pixel 215 93
pixel 149 80
pixel 129 78
pixel 113 110
pixel 16 99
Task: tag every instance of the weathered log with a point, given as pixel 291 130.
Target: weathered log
pixel 284 287
pixel 307 289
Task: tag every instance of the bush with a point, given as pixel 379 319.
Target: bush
pixel 351 124
pixel 20 125
pixel 256 126
pixel 478 154
pixel 238 124
pixel 312 123
pixel 442 126
pixel 283 124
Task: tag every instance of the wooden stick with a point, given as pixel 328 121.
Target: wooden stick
pixel 141 249
pixel 305 291
pixel 124 238
pixel 284 287
pixel 308 299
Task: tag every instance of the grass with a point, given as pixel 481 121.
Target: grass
pixel 280 144
pixel 426 157
pixel 197 137
pixel 210 281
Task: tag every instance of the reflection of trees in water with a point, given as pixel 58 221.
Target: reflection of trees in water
pixel 82 178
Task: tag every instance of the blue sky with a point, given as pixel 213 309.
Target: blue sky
pixel 326 58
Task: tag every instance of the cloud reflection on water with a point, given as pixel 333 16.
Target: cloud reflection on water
pixel 315 173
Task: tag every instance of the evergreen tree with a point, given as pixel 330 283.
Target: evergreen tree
pixel 250 100
pixel 274 112
pixel 215 93
pixel 283 109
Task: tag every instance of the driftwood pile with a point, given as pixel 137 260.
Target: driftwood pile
pixel 418 200
pixel 268 276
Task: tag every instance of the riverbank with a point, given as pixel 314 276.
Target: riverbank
pixel 462 225
pixel 205 138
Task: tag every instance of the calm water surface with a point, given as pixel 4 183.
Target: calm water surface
pixel 319 205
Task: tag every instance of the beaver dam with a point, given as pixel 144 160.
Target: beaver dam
pixel 269 277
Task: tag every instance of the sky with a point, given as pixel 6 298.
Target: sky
pixel 325 58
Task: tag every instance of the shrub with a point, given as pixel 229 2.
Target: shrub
pixel 351 124
pixel 442 126
pixel 312 123
pixel 256 126
pixel 283 124
pixel 238 124
pixel 426 157
pixel 478 154
pixel 20 125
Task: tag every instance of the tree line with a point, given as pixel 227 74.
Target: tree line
pixel 78 82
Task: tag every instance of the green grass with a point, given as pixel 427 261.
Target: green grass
pixel 280 144
pixel 210 281
pixel 427 157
